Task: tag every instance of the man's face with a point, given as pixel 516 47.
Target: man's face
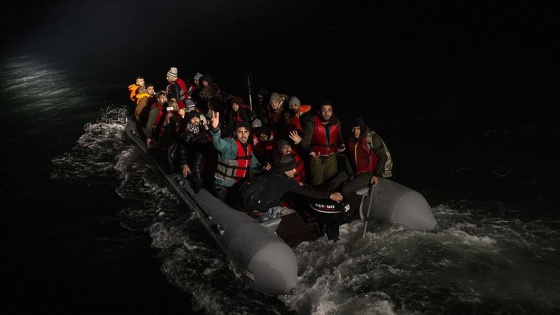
pixel 326 112
pixel 195 120
pixel 242 134
pixel 162 99
pixel 356 131
pixel 140 81
pixel 286 149
pixel 235 107
pixel 294 108
pixel 263 137
pixel 151 90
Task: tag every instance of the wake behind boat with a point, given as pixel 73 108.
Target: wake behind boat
pixel 255 249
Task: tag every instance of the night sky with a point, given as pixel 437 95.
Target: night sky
pixel 388 52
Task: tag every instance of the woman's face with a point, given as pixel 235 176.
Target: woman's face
pixel 275 104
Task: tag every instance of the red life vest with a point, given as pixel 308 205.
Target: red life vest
pixel 293 123
pixel 238 168
pixel 183 94
pixel 364 159
pixel 320 142
pixel 300 168
pixel 158 128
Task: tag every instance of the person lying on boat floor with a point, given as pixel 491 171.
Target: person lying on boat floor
pixel 281 181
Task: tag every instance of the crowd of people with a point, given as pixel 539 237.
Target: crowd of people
pixel 217 141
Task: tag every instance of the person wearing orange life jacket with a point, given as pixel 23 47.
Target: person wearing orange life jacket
pixel 293 114
pixel 155 119
pixel 235 157
pixel 133 88
pixel 322 139
pixel 177 88
pixel 369 157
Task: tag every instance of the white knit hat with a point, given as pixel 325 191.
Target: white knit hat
pixel 197 76
pixel 172 72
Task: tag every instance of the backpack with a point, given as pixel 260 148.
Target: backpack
pixel 249 192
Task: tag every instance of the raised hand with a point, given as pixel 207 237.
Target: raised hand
pixel 295 136
pixel 215 120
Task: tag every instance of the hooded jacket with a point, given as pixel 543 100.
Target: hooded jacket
pixel 368 152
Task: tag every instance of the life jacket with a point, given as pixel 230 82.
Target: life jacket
pixel 236 116
pixel 362 154
pixel 133 88
pixel 158 128
pixel 183 91
pixel 293 123
pixel 325 145
pixel 300 167
pixel 238 168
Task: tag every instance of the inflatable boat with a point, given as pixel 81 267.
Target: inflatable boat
pixel 255 249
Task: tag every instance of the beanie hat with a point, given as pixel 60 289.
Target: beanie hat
pixel 275 97
pixel 189 105
pixel 287 163
pixel 172 72
pixel 256 123
pixel 282 143
pixel 294 100
pixel 197 76
pixel 191 114
pixel 206 78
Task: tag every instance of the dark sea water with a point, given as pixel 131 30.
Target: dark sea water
pixel 466 108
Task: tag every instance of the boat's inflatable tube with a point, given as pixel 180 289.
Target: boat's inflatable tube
pixel 271 261
pixel 395 203
pixel 254 249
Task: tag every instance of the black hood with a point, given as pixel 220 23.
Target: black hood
pixel 358 121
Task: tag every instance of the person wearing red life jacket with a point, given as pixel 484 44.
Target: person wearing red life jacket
pixel 177 88
pixel 265 148
pixel 322 140
pixel 293 114
pixel 285 149
pixel 235 157
pixel 368 156
pixel 237 112
pixel 155 119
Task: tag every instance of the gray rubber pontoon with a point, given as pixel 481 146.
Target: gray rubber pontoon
pixel 396 203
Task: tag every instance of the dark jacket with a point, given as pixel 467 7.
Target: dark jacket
pixel 279 183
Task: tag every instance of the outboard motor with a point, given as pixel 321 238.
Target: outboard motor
pixel 330 215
